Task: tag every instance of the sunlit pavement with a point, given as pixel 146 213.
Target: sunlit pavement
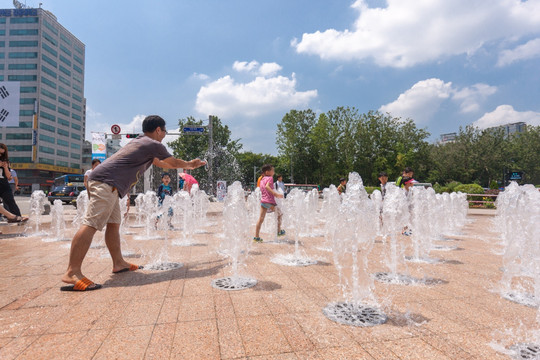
pixel 177 314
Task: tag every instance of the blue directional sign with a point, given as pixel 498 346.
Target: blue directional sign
pixel 193 130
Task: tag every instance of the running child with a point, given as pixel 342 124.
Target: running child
pixel 268 201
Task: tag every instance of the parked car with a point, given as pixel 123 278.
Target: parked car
pixel 64 193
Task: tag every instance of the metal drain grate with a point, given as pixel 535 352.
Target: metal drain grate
pixel 526 351
pixel 356 315
pixel 397 279
pixel 521 298
pixel 233 283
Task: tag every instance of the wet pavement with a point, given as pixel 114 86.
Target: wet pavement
pixel 177 314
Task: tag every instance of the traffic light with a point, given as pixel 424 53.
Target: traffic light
pixel 131 136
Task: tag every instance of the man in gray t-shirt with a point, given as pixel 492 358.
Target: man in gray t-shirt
pixel 106 184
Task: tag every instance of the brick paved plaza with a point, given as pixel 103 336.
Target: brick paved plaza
pixel 177 314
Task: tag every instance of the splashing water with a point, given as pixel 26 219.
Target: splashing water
pixel 58 225
pixel 37 207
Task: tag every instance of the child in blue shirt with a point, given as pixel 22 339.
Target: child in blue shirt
pixel 163 190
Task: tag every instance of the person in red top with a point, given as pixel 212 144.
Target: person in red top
pixel 268 201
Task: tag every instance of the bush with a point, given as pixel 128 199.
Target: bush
pixel 493 184
pixel 371 189
pixel 453 185
pixel 439 189
pixel 469 189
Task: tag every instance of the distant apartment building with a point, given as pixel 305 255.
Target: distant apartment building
pixel 513 128
pixel 448 138
pixel 47 62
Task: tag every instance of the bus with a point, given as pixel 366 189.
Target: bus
pixel 69 180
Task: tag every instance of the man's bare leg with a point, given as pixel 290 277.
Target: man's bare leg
pixel 112 240
pixel 79 247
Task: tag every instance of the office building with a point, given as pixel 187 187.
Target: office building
pixel 47 62
pixel 448 138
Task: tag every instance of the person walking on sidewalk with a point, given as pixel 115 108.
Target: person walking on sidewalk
pixel 108 183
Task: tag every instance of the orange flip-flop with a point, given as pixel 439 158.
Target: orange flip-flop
pixel 82 285
pixel 132 267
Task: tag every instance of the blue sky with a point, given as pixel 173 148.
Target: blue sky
pixel 445 64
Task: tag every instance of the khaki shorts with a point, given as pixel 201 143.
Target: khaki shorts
pixel 103 205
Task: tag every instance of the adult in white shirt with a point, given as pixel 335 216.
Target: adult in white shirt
pixel 95 163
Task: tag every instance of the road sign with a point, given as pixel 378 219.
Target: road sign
pixel 193 130
pixel 117 137
pixel 115 129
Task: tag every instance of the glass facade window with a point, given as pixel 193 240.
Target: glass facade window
pixel 20 159
pixel 65 50
pixel 75 136
pixel 20 148
pixel 25 124
pixel 48 93
pixel 75 156
pixel 63 132
pixel 76 126
pixel 78 49
pixel 63 111
pixel 64 91
pixel 77 59
pixel 65 60
pixel 75 166
pixel 28 89
pixel 24 101
pixel 26 112
pixel 50 27
pixel 49 60
pixel 23 20
pixel 2 55
pixel 75 146
pixel 17 32
pixel 77 69
pixel 49 49
pixel 46 138
pixel 29 43
pixel 22 67
pixel 48 71
pixel 50 39
pixel 24 136
pixel 76 107
pixel 62 142
pixel 63 101
pixel 47 116
pixel 77 97
pixel 62 163
pixel 63 122
pixel 22 55
pixel 48 82
pixel 48 105
pixel 22 77
pixel 2 32
pixel 46 127
pixel 62 153
pixel 76 117
pixel 64 70
pixel 65 39
pixel 46 161
pixel 64 80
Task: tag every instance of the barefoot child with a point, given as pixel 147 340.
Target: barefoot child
pixel 268 201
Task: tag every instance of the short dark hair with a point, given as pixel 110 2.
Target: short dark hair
pixel 165 174
pixel 342 179
pixel 383 173
pixel 278 176
pixel 408 169
pixel 152 122
pixel 266 167
pixel 96 161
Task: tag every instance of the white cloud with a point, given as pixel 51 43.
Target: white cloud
pixel 264 94
pixel 200 76
pixel 253 67
pixel 529 50
pixel 409 32
pixel 505 114
pixel 424 99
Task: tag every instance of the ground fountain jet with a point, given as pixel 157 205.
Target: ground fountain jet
pixel 139 212
pixel 37 207
pixel 236 241
pixel 329 211
pixel 58 224
pixel 183 218
pixel 149 208
pixel 395 216
pixel 354 233
pixel 163 224
pixel 518 216
pixel 293 206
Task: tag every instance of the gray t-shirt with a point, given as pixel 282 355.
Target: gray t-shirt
pixel 126 166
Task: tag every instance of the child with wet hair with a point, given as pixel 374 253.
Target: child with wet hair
pixel 268 201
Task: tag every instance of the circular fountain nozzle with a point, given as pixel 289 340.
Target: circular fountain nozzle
pixel 525 351
pixel 233 283
pixel 356 315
